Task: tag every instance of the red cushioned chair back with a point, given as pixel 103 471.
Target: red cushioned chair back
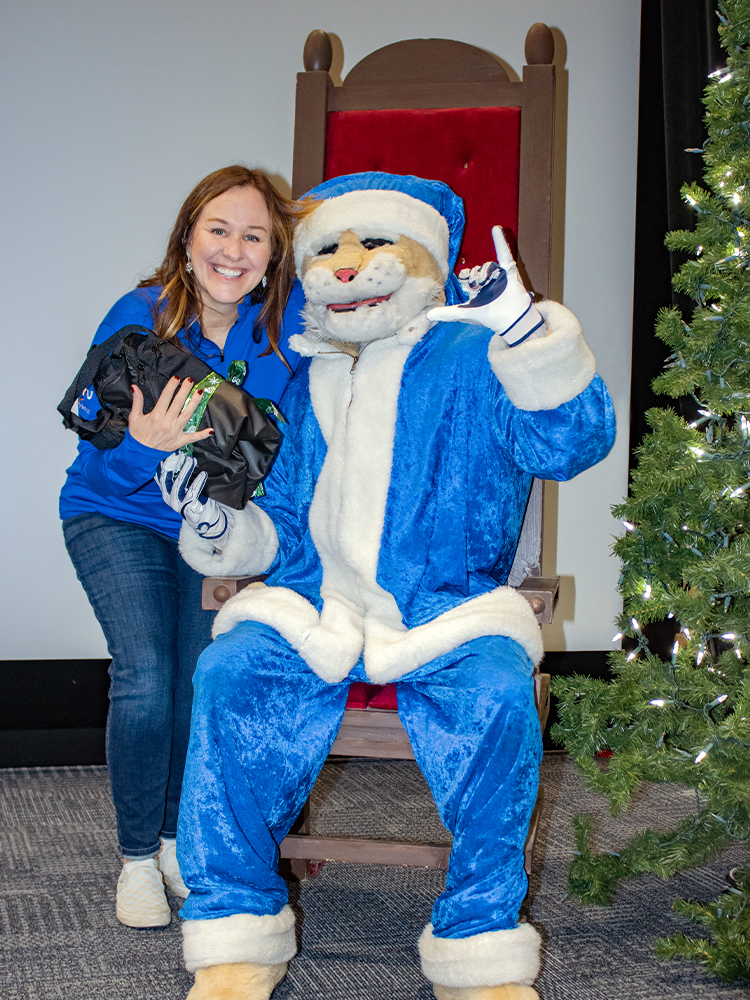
pixel 442 109
pixel 475 151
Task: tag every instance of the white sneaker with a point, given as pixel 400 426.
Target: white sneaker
pixel 141 900
pixel 167 861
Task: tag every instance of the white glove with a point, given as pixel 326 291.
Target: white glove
pixel 502 303
pixel 472 280
pixel 206 517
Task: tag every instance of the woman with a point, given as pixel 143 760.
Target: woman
pixel 226 292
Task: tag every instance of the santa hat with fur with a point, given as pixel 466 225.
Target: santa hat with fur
pixel 387 206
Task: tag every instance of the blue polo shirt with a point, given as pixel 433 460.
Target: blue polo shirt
pixel 119 482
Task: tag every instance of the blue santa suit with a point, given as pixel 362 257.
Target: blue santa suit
pixel 389 527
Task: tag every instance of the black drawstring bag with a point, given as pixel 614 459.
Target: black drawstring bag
pixel 236 457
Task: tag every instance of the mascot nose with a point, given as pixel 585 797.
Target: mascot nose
pixel 346 274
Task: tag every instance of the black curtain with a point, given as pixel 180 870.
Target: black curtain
pixel 679 48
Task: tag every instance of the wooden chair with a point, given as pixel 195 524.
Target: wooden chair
pixel 448 111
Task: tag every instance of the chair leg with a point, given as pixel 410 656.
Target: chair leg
pixel 528 851
pixel 301 868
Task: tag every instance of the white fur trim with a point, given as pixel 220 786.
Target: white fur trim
pixel 285 610
pixel 385 214
pixel 356 413
pixel 241 937
pixel 335 644
pixel 389 654
pixel 545 373
pixel 249 551
pixel 495 958
pixel 331 643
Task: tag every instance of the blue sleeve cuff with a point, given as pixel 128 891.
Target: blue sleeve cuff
pixel 122 470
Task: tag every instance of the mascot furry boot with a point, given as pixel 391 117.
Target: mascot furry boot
pixel 416 423
pixel 237 981
pixel 245 981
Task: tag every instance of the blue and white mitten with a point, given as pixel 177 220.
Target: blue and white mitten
pixel 498 299
pixel 206 517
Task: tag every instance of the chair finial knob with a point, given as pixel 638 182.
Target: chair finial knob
pixel 318 52
pixel 540 45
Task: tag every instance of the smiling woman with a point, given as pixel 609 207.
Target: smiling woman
pixel 231 207
pixel 228 253
pixel 226 293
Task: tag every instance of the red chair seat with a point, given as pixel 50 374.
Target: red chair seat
pixel 363 695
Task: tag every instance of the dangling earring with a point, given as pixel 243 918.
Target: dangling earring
pixel 189 266
pixel 263 283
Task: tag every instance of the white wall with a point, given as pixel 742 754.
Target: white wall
pixel 111 112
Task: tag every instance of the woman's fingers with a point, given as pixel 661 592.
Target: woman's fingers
pixel 163 427
pixel 196 436
pixel 136 409
pixel 173 390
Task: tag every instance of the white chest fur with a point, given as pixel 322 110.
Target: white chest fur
pixel 356 407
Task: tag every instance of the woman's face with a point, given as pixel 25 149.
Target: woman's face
pixel 230 247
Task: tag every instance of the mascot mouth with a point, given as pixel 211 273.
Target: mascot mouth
pixel 339 307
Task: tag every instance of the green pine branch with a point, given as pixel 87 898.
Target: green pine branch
pixel 727 953
pixel 593 878
pixel 681 715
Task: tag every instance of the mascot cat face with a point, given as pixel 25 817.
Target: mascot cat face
pixel 370 262
pixel 362 288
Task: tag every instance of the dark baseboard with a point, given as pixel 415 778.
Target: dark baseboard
pixel 53 712
pixel 53 694
pixel 51 747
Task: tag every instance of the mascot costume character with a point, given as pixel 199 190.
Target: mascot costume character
pixel 388 529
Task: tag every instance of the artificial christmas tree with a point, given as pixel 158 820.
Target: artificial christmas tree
pixel 684 715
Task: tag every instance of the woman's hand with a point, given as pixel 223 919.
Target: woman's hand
pixel 162 428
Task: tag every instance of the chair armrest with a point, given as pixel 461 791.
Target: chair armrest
pixel 541 592
pixel 217 590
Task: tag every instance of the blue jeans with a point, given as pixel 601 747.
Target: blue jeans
pixel 148 603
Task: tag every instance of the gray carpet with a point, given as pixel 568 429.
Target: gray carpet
pixel 358 924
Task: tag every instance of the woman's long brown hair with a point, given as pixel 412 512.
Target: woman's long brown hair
pixel 179 304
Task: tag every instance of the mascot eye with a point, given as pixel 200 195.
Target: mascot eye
pixel 331 248
pixel 370 243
